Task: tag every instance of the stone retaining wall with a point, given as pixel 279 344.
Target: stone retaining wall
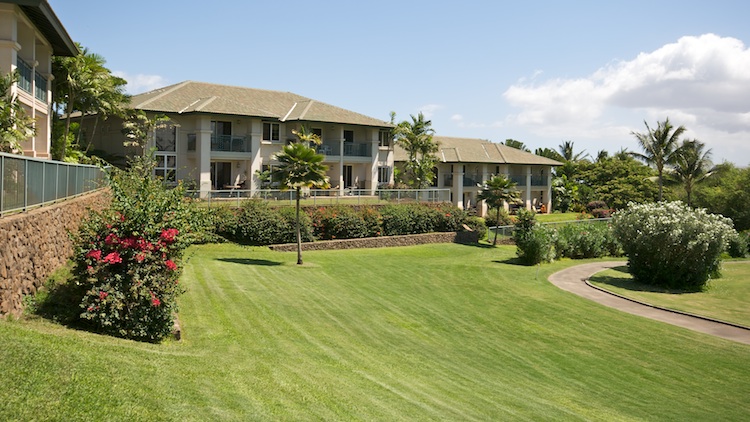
pixel 36 243
pixel 463 237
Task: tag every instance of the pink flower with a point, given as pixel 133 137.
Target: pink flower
pixel 103 295
pixel 168 235
pixel 128 243
pixel 96 254
pixel 170 264
pixel 113 258
pixel 155 302
pixel 145 245
pixel 111 239
pixel 140 257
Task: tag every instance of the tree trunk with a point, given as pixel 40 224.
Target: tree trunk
pixel 93 132
pixel 299 235
pixel 68 110
pixel 497 224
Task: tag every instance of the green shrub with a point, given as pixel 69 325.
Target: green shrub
pixel 449 218
pixel 338 222
pixel 257 223
pixel 594 205
pixel 585 240
pixel 127 258
pixel 739 245
pixel 373 221
pixel 400 219
pixel 535 245
pixel 477 224
pixel 671 245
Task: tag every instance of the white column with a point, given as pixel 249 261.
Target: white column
pixel 482 208
pixel 256 160
pixel 203 147
pixel 528 187
pixel 548 191
pixel 458 185
pixel 341 161
pixel 375 161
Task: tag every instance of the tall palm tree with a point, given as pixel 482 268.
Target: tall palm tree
pixel 691 165
pixel 658 147
pixel 301 167
pixel 415 138
pixel 567 152
pixel 496 191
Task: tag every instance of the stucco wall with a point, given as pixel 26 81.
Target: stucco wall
pixel 36 243
pixel 383 242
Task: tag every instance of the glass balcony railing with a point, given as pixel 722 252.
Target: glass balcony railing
pixel 40 87
pixel 351 149
pixel 24 75
pixel 222 143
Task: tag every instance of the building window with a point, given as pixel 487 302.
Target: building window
pixel 166 167
pixel 384 175
pixel 348 136
pixel 384 138
pixel 166 138
pixel 271 132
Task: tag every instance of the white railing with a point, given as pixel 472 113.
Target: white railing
pixel 323 196
pixel 30 182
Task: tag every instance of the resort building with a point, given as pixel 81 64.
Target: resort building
pixel 30 34
pixel 464 164
pixel 224 137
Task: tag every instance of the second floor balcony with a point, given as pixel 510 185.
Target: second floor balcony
pixel 351 149
pixel 222 143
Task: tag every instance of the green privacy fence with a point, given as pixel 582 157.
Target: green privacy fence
pixel 31 182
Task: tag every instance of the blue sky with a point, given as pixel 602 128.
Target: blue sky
pixel 541 72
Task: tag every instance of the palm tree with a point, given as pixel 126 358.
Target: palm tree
pixel 15 125
pixel 415 138
pixel 496 191
pixel 516 144
pixel 567 154
pixel 658 147
pixel 691 165
pixel 301 167
pixel 549 153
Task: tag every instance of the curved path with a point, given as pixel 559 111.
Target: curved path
pixel 573 279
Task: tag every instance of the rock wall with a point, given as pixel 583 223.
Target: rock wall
pixel 463 237
pixel 36 243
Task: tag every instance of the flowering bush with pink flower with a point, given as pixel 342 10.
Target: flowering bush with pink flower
pixel 127 258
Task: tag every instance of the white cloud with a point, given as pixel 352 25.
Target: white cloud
pixel 457 118
pixel 141 83
pixel 429 110
pixel 699 82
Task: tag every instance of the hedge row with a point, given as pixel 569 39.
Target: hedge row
pixel 257 223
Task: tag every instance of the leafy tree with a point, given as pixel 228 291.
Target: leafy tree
pixel 564 193
pixel 415 138
pixel 495 192
pixel 516 144
pixel 82 83
pixel 15 125
pixel 691 165
pixel 301 167
pixel 726 191
pixel 616 181
pixel 138 128
pixel 659 146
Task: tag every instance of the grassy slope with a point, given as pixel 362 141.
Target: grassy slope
pixel 432 332
pixel 726 298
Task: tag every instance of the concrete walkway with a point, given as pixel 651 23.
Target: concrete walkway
pixel 573 279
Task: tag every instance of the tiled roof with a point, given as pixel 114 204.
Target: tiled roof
pixel 471 150
pixel 193 97
pixel 43 17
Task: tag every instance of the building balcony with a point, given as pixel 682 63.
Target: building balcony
pixel 223 143
pixel 25 75
pixel 351 149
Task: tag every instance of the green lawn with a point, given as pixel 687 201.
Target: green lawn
pixel 726 298
pixel 435 332
pixel 557 217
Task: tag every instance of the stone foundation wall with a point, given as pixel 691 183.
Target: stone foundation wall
pixel 463 237
pixel 36 243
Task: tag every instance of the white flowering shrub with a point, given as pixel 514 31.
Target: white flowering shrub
pixel 668 244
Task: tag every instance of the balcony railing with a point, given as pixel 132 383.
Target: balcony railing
pixel 223 143
pixel 351 149
pixel 40 87
pixel 24 75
